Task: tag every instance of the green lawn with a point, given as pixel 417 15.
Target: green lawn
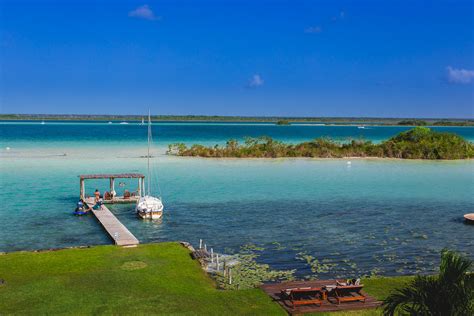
pixel 150 279
pixel 100 280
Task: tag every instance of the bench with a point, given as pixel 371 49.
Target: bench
pixel 304 296
pixel 349 293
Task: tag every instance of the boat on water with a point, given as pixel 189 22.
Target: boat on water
pixel 42 123
pixel 124 123
pixel 469 218
pixel 149 206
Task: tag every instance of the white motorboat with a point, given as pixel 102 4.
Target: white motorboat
pixel 148 206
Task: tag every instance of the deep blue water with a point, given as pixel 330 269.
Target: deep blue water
pixel 207 133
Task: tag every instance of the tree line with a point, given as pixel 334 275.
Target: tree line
pixel 416 143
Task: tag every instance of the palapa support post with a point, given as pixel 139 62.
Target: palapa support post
pixel 217 262
pixel 224 268
pixel 112 187
pixel 140 187
pixel 81 188
pixel 205 247
pixel 200 243
pixel 212 255
pixel 230 276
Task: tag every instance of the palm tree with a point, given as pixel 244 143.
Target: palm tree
pixel 451 292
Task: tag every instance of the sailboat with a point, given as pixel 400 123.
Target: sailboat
pixel 148 206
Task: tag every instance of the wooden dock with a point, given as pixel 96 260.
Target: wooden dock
pixel 117 231
pixel 329 305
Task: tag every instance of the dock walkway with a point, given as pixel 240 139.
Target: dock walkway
pixel 117 231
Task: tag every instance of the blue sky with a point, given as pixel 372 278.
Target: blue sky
pixel 287 58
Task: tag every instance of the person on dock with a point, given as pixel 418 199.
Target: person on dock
pixel 97 195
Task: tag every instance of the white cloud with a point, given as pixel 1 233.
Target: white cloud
pixel 143 12
pixel 463 76
pixel 256 81
pixel 313 30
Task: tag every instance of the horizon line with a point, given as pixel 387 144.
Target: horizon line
pixel 235 116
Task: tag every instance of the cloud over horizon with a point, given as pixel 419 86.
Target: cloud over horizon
pixel 313 30
pixel 256 81
pixel 143 12
pixel 462 76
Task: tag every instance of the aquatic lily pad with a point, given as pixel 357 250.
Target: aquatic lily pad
pixel 133 265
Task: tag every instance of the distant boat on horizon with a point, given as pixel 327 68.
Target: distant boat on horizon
pixel 110 122
pixel 42 123
pixel 124 123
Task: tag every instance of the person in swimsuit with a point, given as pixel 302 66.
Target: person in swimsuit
pixel 97 195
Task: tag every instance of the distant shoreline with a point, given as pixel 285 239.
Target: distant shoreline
pixel 243 119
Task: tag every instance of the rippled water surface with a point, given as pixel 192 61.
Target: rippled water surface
pixel 372 216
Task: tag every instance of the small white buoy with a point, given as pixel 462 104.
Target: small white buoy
pixel 8 148
pixel 349 162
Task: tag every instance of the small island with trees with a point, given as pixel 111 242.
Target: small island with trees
pixel 416 143
pixel 283 122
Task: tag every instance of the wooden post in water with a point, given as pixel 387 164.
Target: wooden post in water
pixel 81 189
pixel 140 187
pixel 112 187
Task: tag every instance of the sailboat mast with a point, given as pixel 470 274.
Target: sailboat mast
pixel 148 156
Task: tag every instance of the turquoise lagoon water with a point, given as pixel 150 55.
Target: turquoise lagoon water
pixel 390 214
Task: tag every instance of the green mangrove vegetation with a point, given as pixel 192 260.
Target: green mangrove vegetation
pixel 413 123
pixel 283 122
pixel 416 143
